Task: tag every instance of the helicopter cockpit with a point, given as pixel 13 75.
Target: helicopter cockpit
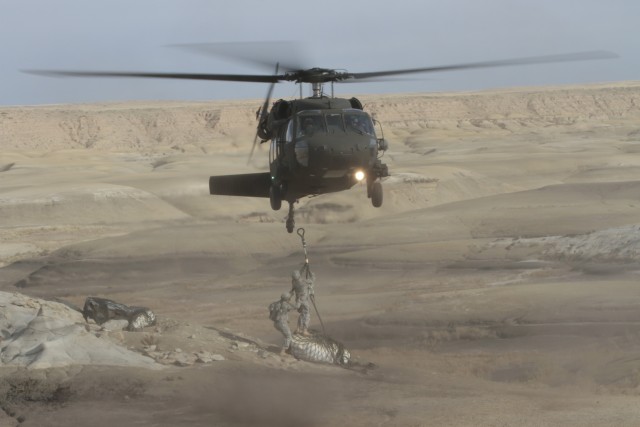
pixel 309 123
pixel 331 131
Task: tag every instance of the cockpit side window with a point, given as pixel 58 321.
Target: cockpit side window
pixel 359 123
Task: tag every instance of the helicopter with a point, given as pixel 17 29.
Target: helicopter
pixel 319 144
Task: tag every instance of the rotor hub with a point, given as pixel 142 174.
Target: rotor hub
pixel 316 75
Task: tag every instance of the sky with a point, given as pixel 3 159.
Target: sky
pixel 359 36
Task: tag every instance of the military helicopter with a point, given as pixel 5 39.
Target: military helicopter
pixel 319 144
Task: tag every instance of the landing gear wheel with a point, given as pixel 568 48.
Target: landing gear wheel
pixel 376 194
pixel 275 198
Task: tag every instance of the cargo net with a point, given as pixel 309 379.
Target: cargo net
pixel 319 348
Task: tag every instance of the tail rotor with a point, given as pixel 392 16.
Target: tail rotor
pixel 262 114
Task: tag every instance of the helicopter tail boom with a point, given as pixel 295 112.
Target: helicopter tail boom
pixel 247 185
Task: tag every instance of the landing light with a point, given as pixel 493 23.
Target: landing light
pixel 359 175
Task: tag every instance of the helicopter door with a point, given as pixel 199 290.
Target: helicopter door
pixel 277 149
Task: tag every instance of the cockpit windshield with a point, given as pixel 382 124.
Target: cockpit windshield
pixel 310 123
pixel 314 122
pixel 358 122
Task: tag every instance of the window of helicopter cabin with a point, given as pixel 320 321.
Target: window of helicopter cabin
pixel 289 134
pixel 272 150
pixel 309 123
pixel 359 122
pixel 277 144
pixel 334 122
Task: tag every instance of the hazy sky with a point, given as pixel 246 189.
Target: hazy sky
pixel 359 36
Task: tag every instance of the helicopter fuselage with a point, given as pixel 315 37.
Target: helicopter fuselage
pixel 324 149
pixel 318 145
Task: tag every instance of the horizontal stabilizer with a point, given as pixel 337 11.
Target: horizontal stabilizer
pixel 247 185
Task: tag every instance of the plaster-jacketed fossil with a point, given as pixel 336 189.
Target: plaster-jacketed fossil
pixel 319 349
pixel 102 310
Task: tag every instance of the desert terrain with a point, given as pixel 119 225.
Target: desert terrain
pixel 498 285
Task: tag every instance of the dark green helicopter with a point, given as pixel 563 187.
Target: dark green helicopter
pixel 320 144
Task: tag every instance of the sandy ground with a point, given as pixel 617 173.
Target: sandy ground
pixel 497 285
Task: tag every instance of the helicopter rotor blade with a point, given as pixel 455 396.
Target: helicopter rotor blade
pixel 290 55
pixel 253 148
pixel 321 75
pixel 567 57
pixel 257 78
pixel 265 106
pixel 263 113
pixel 385 80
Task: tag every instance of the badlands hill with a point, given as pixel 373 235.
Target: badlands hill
pixel 497 284
pixel 183 126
